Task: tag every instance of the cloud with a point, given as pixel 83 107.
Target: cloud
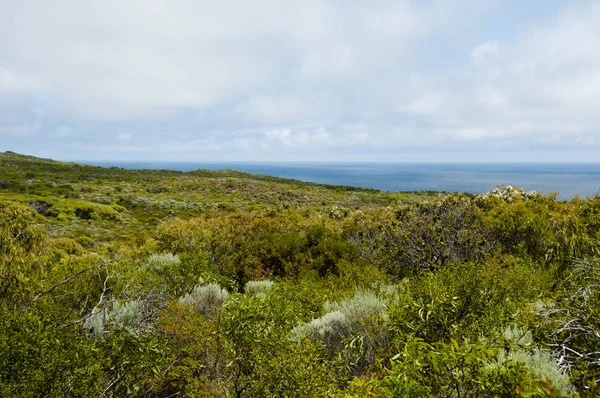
pixel 428 104
pixel 147 58
pixel 124 137
pixel 265 79
pixel 485 52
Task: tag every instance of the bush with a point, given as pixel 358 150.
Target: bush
pixel 206 299
pixel 572 323
pixel 331 328
pixel 127 316
pixel 543 229
pixel 544 372
pixel 354 329
pixel 43 208
pixel 96 323
pixel 423 236
pixel 161 263
pixel 464 369
pixel 341 320
pixel 21 246
pixel 509 193
pixel 258 287
pixel 468 300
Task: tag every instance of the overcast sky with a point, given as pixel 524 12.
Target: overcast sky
pixel 309 80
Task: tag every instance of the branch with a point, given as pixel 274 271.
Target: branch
pixel 61 283
pixel 107 389
pixel 104 290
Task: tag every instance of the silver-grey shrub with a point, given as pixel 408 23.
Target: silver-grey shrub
pixel 331 328
pixel 344 319
pixel 256 287
pixel 96 323
pixel 361 318
pixel 541 364
pixel 519 349
pixel 205 298
pixel 362 306
pixel 128 315
pixel 161 263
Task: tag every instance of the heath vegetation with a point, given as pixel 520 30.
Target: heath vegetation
pixel 149 283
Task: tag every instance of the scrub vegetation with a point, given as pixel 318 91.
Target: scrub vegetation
pixel 148 283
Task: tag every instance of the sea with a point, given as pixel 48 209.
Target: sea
pixel 566 179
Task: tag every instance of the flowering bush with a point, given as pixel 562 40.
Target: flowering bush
pixel 508 193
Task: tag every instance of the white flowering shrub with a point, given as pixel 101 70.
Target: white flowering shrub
pixel 508 193
pixel 258 287
pixel 161 263
pixel 337 213
pixel 206 298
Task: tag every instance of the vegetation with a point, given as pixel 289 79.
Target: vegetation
pixel 148 283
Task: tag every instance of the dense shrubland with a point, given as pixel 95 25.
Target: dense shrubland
pixel 229 284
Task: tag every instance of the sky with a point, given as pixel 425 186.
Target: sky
pixel 308 80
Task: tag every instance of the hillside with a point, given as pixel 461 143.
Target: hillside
pixel 161 283
pixel 140 199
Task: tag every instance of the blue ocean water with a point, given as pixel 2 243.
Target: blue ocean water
pixel 569 180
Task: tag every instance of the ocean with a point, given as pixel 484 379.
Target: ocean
pixel 568 179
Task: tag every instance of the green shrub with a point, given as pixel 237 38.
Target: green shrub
pixel 571 324
pixel 463 369
pixel 21 249
pixel 467 300
pixel 423 236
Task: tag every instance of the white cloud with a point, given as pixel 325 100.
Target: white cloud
pixel 286 109
pixel 12 82
pixel 124 137
pixel 136 59
pixel 20 130
pixel 310 77
pixel 428 104
pixel 295 138
pixel 543 83
pixel 485 52
pixel 63 132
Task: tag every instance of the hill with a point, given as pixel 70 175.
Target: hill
pixel 142 198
